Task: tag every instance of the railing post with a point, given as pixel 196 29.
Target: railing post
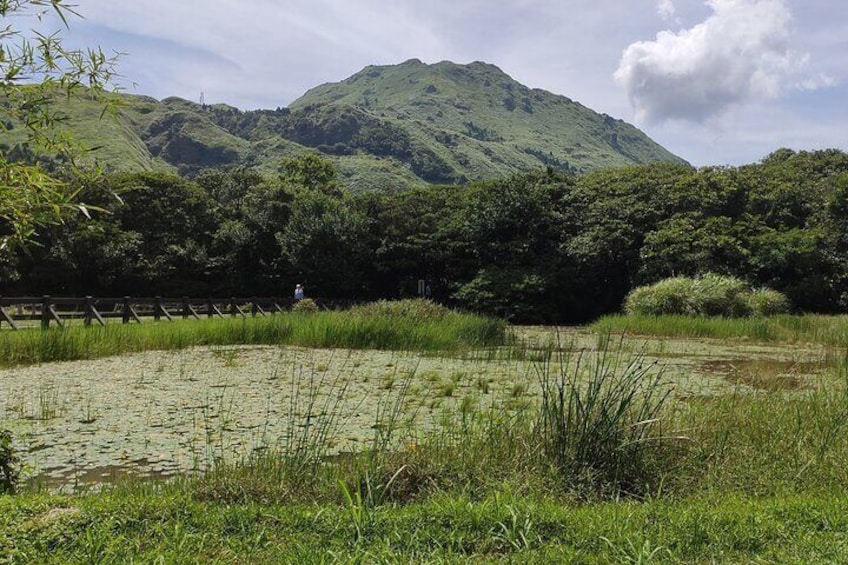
pixel 185 307
pixel 45 311
pixel 86 318
pixel 254 306
pixel 209 311
pixel 125 311
pixel 233 306
pixel 157 308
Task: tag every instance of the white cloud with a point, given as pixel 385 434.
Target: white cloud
pixel 666 10
pixel 738 54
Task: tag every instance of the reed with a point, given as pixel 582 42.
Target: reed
pixel 355 329
pixel 601 421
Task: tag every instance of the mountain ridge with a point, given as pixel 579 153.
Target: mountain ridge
pixel 386 127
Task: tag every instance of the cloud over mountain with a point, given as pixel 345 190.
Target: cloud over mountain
pixel 741 52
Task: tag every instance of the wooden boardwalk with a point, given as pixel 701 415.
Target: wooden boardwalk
pixel 58 310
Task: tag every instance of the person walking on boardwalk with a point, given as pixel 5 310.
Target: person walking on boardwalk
pixel 298 292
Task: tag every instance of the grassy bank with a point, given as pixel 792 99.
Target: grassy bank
pixel 413 326
pixel 501 527
pixel 827 330
pixel 609 464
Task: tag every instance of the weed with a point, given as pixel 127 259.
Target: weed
pixel 482 384
pixel 518 390
pixel 643 554
pixel 516 532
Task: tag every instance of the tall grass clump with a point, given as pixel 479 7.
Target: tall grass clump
pixel 291 467
pixel 602 423
pixel 809 328
pixel 409 325
pixel 707 295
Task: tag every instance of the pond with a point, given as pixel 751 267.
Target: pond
pixel 159 414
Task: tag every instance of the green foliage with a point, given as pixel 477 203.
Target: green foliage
pixel 305 306
pixel 707 295
pixel 34 68
pixel 827 330
pixel 414 309
pixel 534 248
pixel 9 464
pixel 768 302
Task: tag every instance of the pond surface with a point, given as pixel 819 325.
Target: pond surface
pixel 158 414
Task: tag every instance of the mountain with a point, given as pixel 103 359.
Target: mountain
pixel 386 127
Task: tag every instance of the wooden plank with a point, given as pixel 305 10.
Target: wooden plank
pixel 134 314
pixel 192 311
pixel 8 318
pixel 96 315
pixel 55 316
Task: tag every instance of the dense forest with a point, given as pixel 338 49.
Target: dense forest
pixel 538 247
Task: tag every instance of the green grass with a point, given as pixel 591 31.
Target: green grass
pixel 350 330
pixel 145 527
pixel 751 476
pixel 809 328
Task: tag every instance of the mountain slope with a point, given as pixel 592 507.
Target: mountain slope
pixel 483 122
pixel 386 127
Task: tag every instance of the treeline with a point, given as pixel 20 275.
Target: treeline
pixel 542 247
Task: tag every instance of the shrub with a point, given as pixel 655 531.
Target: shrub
pixel 707 295
pixel 305 306
pixel 768 302
pixel 415 308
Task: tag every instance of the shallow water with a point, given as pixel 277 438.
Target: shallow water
pixel 159 414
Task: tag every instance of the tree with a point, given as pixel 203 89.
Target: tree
pixel 507 241
pixel 33 72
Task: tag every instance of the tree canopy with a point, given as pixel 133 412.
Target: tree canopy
pixel 541 247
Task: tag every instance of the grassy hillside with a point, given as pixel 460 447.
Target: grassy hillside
pixel 482 122
pixel 388 127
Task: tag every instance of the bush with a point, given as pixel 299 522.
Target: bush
pixel 415 308
pixel 305 306
pixel 768 302
pixel 707 295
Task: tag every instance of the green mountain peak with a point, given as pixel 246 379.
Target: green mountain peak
pixel 387 127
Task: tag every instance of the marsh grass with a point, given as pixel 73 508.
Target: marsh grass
pixel 759 477
pixel 770 441
pixel 602 421
pixel 346 329
pixel 809 328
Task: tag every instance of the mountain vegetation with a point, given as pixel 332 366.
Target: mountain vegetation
pixel 543 246
pixel 385 128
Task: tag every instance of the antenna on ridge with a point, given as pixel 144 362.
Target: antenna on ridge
pixel 202 99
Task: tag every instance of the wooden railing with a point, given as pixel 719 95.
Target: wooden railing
pixel 52 309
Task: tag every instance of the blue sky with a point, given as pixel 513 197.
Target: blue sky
pixel 716 82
